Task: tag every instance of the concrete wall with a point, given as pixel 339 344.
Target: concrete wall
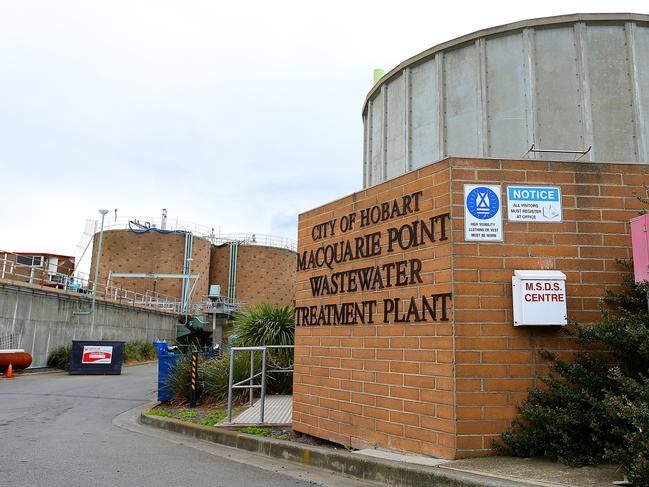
pixel 564 82
pixel 43 320
pixel 448 387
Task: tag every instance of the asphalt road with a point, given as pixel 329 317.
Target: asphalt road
pixel 62 430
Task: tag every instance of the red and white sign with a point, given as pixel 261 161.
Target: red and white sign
pixel 539 298
pixel 97 355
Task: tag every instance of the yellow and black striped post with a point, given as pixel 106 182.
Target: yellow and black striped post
pixel 194 378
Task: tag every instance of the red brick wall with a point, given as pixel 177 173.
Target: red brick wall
pixel 263 273
pixel 385 384
pixel 497 363
pixel 448 388
pixel 152 252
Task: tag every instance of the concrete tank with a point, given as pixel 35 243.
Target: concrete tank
pixel 151 253
pixel 566 82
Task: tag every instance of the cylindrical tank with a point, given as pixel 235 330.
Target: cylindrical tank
pixel 560 83
pixel 151 253
pixel 263 273
pixel 18 359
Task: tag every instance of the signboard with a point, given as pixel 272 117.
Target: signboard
pixel 483 219
pixel 97 355
pixel 538 204
pixel 539 298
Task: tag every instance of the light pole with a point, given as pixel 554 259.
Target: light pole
pixel 97 261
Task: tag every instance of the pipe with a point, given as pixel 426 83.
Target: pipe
pixel 94 284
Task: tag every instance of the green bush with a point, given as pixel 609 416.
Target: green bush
pixel 254 326
pixel 269 325
pixel 60 358
pixel 595 408
pixel 139 351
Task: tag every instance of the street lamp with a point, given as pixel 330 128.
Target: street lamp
pixel 97 261
pixel 103 212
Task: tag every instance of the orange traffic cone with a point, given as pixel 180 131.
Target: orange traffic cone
pixel 10 372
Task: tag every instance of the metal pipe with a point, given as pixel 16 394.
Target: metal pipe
pixel 252 374
pixel 230 379
pixel 263 385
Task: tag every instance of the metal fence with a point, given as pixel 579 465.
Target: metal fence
pixel 216 238
pixel 81 284
pixel 249 382
pixel 9 342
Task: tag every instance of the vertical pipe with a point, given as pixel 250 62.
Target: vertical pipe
pixel 263 386
pixel 230 377
pixel 252 373
pixel 234 273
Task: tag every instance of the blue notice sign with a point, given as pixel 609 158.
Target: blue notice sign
pixel 482 203
pixel 538 204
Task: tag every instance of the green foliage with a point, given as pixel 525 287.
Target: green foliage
pixel 253 430
pixel 60 358
pixel 139 352
pixel 160 412
pixel 595 408
pixel 265 324
pixel 215 417
pixel 186 414
pixel 254 326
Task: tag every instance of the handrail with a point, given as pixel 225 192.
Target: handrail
pixel 250 380
pixel 216 238
pixel 79 283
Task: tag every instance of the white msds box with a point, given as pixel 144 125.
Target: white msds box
pixel 539 298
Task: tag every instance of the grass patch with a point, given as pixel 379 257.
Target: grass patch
pixel 215 417
pixel 186 414
pixel 253 430
pixel 159 412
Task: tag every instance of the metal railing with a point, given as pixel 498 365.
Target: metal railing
pixel 216 238
pixel 249 382
pixel 9 342
pixel 80 283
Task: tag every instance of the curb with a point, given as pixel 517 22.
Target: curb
pixel 373 469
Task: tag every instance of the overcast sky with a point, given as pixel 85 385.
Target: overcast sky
pixel 233 115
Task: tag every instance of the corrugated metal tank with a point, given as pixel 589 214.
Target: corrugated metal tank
pixel 566 82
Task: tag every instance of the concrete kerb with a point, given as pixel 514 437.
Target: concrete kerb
pixel 384 471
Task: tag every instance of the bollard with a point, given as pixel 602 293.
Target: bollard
pixel 194 374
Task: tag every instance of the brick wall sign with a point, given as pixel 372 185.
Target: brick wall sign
pixel 405 335
pixel 363 255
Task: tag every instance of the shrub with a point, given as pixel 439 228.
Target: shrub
pixel 269 325
pixel 595 408
pixel 138 351
pixel 60 357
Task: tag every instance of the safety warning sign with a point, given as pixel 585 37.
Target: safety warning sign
pixel 483 220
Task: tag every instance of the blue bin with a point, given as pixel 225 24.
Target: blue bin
pixel 166 363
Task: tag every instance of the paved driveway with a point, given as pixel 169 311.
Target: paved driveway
pixel 62 430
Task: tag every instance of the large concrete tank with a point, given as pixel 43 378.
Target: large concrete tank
pixel 566 82
pixel 124 251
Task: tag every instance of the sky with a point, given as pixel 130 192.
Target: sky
pixel 237 116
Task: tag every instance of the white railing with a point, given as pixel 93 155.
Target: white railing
pixel 216 238
pixel 80 283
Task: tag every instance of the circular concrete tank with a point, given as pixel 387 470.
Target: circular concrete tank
pixel 560 83
pixel 263 273
pixel 151 253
